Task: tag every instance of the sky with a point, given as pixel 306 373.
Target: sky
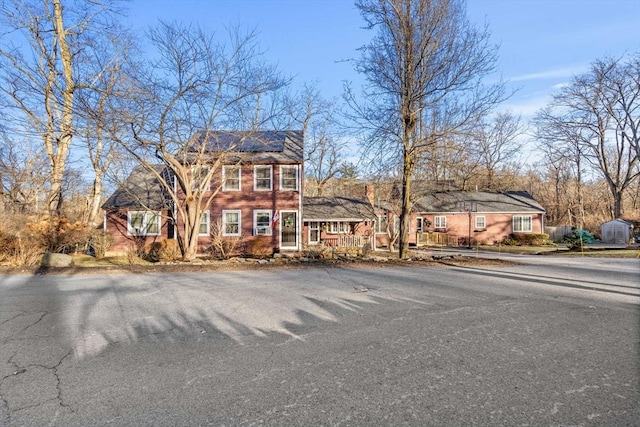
pixel 542 43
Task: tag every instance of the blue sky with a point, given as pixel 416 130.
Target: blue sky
pixel 542 42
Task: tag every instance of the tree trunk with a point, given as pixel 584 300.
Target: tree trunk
pixel 405 210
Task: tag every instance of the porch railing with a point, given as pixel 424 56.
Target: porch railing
pixel 437 239
pixel 346 241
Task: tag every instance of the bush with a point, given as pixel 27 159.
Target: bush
pixel 99 242
pixel 578 238
pixel 164 250
pixel 527 239
pixel 57 235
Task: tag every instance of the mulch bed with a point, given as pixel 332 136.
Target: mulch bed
pixel 270 264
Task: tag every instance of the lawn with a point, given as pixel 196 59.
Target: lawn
pixel 563 251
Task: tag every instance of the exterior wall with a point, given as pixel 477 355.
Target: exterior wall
pixel 246 200
pixel 498 225
pixel 116 225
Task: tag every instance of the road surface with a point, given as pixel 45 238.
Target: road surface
pixel 543 343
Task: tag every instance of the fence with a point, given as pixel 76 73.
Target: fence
pixel 437 239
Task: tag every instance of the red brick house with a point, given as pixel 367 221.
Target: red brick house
pixel 259 199
pixel 461 217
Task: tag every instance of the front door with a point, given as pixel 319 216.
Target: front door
pixel 289 230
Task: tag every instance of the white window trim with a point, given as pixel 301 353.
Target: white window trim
pixel 439 219
pixel 484 220
pixel 224 176
pixel 255 178
pixel 513 223
pixel 314 228
pixel 262 230
pixel 338 227
pixel 194 180
pixel 419 228
pixel 224 222
pixel 295 167
pixel 206 217
pixel 145 223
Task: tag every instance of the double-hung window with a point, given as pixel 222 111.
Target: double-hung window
pixel 440 222
pixel 339 227
pixel 231 222
pixel 481 222
pixel 289 177
pixel 314 232
pixel 262 178
pixel 203 228
pixel 231 178
pixel 143 223
pixel 199 174
pixel 522 224
pixel 262 223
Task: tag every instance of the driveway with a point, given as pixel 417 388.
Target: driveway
pixel 523 345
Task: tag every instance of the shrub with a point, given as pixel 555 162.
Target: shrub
pixel 99 242
pixel 57 235
pixel 528 239
pixel 578 238
pixel 164 250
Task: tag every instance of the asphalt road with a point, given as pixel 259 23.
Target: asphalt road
pixel 544 343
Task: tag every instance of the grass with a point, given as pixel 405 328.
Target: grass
pixel 563 251
pixel 82 260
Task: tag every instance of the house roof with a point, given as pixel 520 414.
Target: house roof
pixel 336 209
pixel 140 190
pixel 479 201
pixel 263 146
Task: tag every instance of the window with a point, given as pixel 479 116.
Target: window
pixel 262 178
pixel 339 227
pixel 231 223
pixel 289 177
pixel 143 223
pixel 419 224
pixel 203 230
pixel 382 225
pixel 522 224
pixel 231 178
pixel 440 221
pixel 262 223
pixel 481 223
pixel 199 174
pixel 314 232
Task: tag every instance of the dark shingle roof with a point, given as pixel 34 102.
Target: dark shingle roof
pixel 336 209
pixel 265 146
pixel 141 190
pixel 480 201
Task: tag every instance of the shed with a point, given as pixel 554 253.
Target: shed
pixel 616 231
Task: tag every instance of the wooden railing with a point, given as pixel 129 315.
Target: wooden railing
pixel 437 239
pixel 346 241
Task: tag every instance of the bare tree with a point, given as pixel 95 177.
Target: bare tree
pixel 497 144
pixel 598 116
pixel 197 84
pixel 423 72
pixel 22 175
pixel 324 148
pixel 40 78
pixel 101 114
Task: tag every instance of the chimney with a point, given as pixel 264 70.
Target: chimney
pixel 369 192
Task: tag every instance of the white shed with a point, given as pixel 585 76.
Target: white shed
pixel 616 231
